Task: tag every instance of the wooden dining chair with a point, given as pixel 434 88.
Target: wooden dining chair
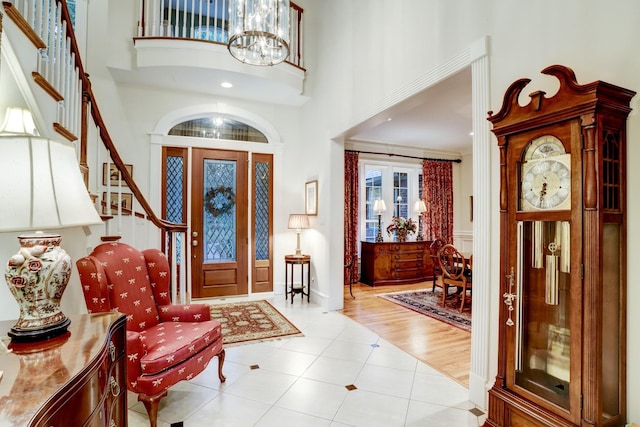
pixel 434 248
pixel 454 268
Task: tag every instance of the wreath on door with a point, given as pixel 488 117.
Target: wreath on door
pixel 219 200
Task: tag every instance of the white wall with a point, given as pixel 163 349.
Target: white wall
pixel 367 51
pixel 361 52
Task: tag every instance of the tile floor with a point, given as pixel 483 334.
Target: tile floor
pixel 305 382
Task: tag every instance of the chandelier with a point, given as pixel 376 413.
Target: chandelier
pixel 259 31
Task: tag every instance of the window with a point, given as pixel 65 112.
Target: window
pixel 219 127
pixel 399 185
pixel 400 194
pixel 373 191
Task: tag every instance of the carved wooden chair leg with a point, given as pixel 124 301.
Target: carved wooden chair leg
pixel 151 404
pixel 445 291
pixel 221 356
pixel 463 297
pixel 347 268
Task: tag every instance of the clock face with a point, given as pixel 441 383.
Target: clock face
pixel 546 176
pixel 544 147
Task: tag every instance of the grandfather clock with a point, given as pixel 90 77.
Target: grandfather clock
pixel 563 260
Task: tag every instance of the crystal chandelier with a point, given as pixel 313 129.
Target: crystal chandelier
pixel 259 31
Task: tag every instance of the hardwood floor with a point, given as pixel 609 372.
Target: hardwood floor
pixel 441 346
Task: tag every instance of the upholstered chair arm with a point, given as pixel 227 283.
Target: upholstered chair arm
pixel 184 313
pixel 135 350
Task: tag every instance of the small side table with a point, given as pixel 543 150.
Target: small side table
pixel 290 261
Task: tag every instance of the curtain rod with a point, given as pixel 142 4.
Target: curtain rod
pixel 403 155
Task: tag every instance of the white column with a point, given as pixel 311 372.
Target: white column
pixel 479 380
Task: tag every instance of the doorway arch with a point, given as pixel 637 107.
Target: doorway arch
pixel 476 57
pixel 256 153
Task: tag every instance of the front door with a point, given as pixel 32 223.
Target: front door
pixel 219 230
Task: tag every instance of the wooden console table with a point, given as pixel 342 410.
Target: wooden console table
pixel 74 379
pixel 395 263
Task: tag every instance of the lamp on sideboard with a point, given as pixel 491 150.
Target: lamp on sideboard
pixel 379 207
pixel 298 222
pixel 42 189
pixel 420 208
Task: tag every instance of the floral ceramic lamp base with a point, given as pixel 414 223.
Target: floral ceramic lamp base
pixel 37 276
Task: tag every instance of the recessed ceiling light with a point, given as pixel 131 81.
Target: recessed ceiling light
pixel 389 119
pixel 226 85
pixel 470 133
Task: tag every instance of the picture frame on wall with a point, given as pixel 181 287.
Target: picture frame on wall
pixel 110 172
pixel 311 198
pixel 126 203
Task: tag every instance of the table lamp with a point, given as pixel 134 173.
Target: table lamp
pixel 379 207
pixel 298 222
pixel 419 207
pixel 42 188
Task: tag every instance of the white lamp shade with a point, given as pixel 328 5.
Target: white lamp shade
pixel 419 206
pixel 298 221
pixel 379 206
pixel 41 186
pixel 18 121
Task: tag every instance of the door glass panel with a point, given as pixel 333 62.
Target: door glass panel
pixel 543 358
pixel 175 179
pixel 219 216
pixel 262 211
pixel 174 196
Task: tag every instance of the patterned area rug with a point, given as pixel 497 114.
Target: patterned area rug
pixel 429 303
pixel 251 321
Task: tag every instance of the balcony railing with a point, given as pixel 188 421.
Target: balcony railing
pixel 205 20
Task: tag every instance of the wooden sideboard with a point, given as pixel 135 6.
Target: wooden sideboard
pixel 75 379
pixel 395 263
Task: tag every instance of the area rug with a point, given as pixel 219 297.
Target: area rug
pixel 251 321
pixel 429 304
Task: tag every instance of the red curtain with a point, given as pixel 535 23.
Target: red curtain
pixel 437 190
pixel 351 217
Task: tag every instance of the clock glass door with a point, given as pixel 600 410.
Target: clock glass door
pixel 542 354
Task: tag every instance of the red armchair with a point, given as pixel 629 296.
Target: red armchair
pixel 166 343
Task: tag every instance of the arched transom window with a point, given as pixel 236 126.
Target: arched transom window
pixel 218 127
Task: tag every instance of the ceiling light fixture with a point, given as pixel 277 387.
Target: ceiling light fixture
pixel 259 31
pixel 226 85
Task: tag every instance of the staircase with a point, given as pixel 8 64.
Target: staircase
pixel 40 48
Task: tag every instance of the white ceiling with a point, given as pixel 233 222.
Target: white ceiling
pixel 436 119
